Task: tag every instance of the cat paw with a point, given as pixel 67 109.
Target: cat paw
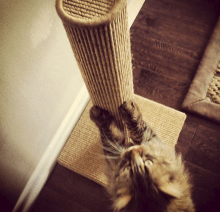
pixel 129 110
pixel 100 116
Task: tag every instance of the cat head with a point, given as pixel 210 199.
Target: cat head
pixel 143 173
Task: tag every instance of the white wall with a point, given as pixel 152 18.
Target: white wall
pixel 39 81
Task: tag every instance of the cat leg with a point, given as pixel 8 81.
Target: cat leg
pixel 138 129
pixel 111 135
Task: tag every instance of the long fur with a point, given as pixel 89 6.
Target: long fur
pixel 145 175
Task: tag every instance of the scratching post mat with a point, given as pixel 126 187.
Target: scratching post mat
pixel 83 151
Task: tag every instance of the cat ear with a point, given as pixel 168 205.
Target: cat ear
pixel 171 190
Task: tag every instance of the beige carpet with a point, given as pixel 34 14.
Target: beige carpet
pixel 203 97
pixel 83 152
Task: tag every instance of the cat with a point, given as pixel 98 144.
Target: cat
pixel 144 175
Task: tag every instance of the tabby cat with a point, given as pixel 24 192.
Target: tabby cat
pixel 143 175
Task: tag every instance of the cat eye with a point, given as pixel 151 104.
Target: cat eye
pixel 148 162
pixel 127 168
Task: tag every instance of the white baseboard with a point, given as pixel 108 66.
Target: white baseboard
pixel 49 159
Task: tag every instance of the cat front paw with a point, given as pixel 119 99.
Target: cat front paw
pixel 129 110
pixel 102 118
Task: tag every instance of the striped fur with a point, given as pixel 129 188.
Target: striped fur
pixel 145 175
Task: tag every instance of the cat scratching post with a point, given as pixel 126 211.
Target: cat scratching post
pixel 99 36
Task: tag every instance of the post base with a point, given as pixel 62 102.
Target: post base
pixel 83 151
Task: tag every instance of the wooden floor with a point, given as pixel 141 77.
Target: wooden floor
pixel 168 41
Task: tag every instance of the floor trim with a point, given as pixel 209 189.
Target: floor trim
pixel 49 159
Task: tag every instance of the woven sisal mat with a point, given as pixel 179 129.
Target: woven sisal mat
pixel 203 97
pixel 213 93
pixel 83 152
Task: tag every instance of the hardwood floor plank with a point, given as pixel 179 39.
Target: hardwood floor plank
pixel 172 43
pixel 205 149
pixel 50 200
pixel 206 188
pixel 197 11
pixel 163 58
pixel 186 137
pixel 160 88
pixel 200 120
pixel 186 25
pixel 79 189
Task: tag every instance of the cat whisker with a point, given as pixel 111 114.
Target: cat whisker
pixel 101 156
pixel 116 146
pixel 111 150
pixel 111 157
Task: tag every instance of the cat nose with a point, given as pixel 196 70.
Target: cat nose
pixel 137 163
